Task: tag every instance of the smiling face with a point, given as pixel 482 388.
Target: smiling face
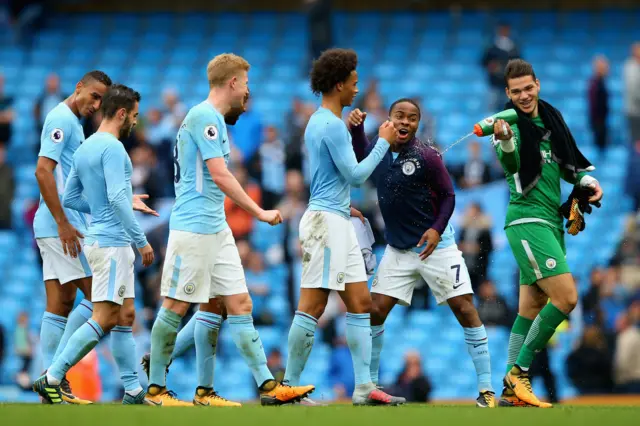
pixel 524 93
pixel 405 117
pixel 349 89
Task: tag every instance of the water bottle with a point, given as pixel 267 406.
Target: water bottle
pixel 485 127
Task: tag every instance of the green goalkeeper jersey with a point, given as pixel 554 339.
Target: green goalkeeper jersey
pixel 542 202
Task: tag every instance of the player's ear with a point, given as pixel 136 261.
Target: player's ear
pixel 122 114
pixel 79 86
pixel 340 86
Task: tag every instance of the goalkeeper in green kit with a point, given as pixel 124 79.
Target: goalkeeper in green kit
pixel 535 154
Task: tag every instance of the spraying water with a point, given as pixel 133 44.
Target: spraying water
pixel 457 142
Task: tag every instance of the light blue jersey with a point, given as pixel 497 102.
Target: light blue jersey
pixel 199 206
pixel 100 183
pixel 333 163
pixel 61 136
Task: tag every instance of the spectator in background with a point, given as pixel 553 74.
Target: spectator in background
pixel 376 114
pixel 240 221
pixel 48 100
pixel 247 133
pixel 614 299
pixel 599 102
pixel 589 365
pixel 160 135
pixel 6 114
pixel 591 300
pixel 7 188
pixel 272 168
pixel 297 119
pixel 147 177
pixel 632 92
pixel 627 355
pixel 258 284
pixel 174 111
pixel 412 383
pixel 372 87
pixel 495 60
pixel 292 207
pixel 23 344
pixel 633 175
pixel 475 171
pixel 475 243
pixel 492 307
pixel 320 29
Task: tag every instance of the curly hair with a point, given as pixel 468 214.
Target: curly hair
pixel 332 67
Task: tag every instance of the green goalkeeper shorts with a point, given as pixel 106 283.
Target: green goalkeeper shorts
pixel 539 250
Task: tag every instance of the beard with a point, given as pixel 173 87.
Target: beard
pixel 126 128
pixel 233 115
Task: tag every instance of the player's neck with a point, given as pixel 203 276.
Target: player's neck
pixel 219 101
pixel 333 104
pixel 109 126
pixel 71 103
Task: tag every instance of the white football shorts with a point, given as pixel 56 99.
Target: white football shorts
pixel 331 256
pixel 59 266
pixel 113 276
pixel 199 267
pixel 400 271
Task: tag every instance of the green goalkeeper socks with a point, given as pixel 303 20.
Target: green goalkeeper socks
pixel 542 329
pixel 518 335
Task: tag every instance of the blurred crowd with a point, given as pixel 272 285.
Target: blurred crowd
pixel 271 165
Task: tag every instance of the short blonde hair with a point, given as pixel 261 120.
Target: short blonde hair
pixel 225 66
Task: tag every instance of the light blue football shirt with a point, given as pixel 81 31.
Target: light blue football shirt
pixel 333 163
pixel 199 206
pixel 61 136
pixel 100 183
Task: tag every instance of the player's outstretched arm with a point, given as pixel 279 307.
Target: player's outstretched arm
pixel 72 198
pixel 345 159
pixel 506 145
pixel 113 163
pixel 231 187
pixel 69 236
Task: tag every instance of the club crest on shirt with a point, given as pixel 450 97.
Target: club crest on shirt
pixel 211 132
pixel 121 291
pixel 410 166
pixel 57 135
pixel 189 288
pixel 551 263
pixel 340 277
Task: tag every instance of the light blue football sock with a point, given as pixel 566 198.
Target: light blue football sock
pixel 123 348
pixel 301 337
pixel 206 337
pixel 377 340
pixel 163 339
pixel 81 314
pixel 80 344
pixel 248 342
pixel 185 339
pixel 478 346
pixel 359 342
pixel 51 332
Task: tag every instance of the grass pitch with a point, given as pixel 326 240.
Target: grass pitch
pixel 336 415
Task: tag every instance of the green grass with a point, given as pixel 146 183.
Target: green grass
pixel 424 415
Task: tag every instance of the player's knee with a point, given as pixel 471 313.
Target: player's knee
pixel 363 305
pixel 378 314
pixel 566 302
pixel 238 304
pixel 464 310
pixel 127 316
